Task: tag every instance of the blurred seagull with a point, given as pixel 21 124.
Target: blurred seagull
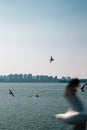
pixel 51 59
pixel 77 115
pixel 10 92
pixel 83 87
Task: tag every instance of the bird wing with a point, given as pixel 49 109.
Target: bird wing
pixel 30 96
pixel 39 93
pixel 10 92
pixel 13 95
pixel 82 88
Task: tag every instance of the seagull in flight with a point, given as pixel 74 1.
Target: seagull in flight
pixel 37 94
pixel 77 115
pixel 51 59
pixel 83 87
pixel 10 92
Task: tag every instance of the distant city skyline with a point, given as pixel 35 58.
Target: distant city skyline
pixel 33 30
pixel 35 78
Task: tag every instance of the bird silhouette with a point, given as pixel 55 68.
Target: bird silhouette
pixel 10 92
pixel 83 87
pixel 51 59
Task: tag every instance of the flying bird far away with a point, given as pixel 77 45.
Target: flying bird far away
pixel 37 94
pixel 10 92
pixel 83 87
pixel 51 59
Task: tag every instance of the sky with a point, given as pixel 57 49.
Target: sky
pixel 33 30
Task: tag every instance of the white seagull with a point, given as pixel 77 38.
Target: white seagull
pixel 77 115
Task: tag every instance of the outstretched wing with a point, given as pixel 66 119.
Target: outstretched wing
pixel 83 87
pixel 10 92
pixel 38 94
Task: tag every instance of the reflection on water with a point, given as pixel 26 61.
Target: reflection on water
pixel 21 113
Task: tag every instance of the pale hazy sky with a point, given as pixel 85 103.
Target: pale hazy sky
pixel 33 30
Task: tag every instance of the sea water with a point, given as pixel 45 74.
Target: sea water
pixel 35 113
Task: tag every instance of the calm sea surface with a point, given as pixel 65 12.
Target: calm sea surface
pixel 23 113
